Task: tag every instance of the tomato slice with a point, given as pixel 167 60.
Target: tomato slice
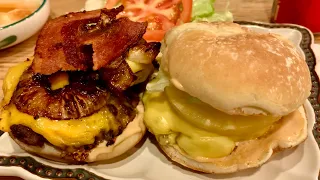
pixel 154 35
pixel 187 11
pixel 161 15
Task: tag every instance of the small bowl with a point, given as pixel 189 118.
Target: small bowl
pixel 21 30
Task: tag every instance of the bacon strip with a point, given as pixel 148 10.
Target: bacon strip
pixel 67 42
pixel 115 41
pixel 49 55
pixel 93 40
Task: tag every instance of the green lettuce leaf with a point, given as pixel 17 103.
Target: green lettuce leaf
pixel 203 10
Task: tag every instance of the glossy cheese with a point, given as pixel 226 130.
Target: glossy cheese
pixel 59 133
pixel 169 128
pixel 11 80
pixel 203 116
pixel 136 67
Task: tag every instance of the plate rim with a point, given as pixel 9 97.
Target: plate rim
pixel 27 166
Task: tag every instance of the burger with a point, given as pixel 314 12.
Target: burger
pixel 225 97
pixel 77 100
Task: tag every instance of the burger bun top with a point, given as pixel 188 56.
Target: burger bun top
pixel 236 70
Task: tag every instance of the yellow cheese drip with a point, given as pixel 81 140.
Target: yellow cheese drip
pixel 170 129
pixel 11 80
pixel 60 133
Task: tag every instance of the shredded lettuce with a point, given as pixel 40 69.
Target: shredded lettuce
pixel 221 16
pixel 203 10
pixel 160 81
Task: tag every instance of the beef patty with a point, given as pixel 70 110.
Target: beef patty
pixel 27 135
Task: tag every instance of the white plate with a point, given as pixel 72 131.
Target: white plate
pixel 147 162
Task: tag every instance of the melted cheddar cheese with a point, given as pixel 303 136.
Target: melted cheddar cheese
pixel 60 132
pixel 74 132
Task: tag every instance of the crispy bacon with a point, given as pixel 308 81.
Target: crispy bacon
pixel 115 41
pixel 76 53
pixel 49 56
pixel 67 42
pixel 93 40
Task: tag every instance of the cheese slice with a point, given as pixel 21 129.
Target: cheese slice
pixel 61 133
pixel 74 132
pixel 170 129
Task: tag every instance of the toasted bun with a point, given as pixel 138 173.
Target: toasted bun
pixel 289 132
pixel 131 136
pixel 236 70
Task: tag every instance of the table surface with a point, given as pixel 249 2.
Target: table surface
pixel 247 10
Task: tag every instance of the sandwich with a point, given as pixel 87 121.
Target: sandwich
pixel 225 97
pixel 77 100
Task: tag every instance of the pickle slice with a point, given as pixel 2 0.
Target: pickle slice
pixel 205 117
